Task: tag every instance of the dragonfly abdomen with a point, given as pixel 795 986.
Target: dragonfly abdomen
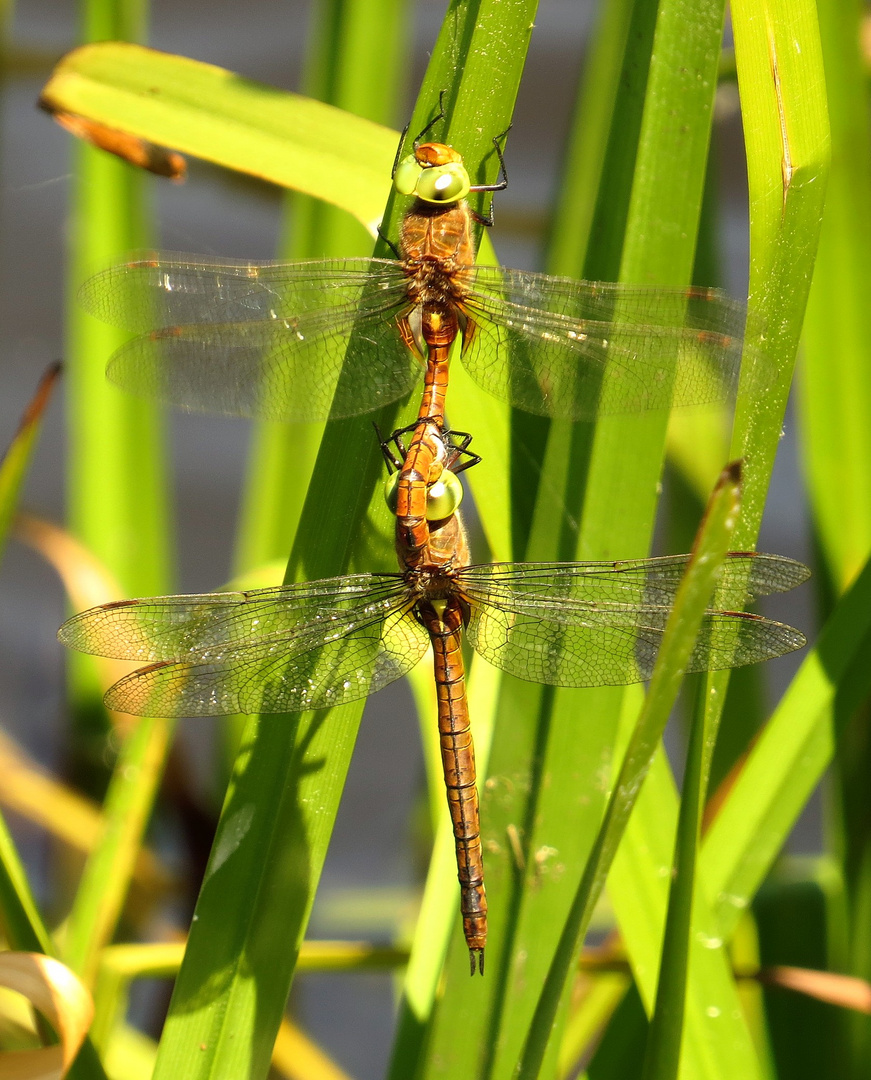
pixel 439 328
pixel 444 621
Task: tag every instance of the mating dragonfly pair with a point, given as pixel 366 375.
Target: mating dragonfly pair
pixel 334 338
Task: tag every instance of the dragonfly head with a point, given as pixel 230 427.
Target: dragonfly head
pixel 434 173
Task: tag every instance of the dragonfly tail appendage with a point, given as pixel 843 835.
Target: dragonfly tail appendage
pixel 458 761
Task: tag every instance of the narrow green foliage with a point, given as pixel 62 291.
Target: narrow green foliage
pixel 352 67
pixel 835 403
pixel 799 913
pixel 790 757
pixel 780 76
pixel 22 922
pixel 662 1058
pixel 669 102
pixel 106 878
pixel 221 117
pixel 695 592
pixel 276 842
pixel 15 462
pixel 563 805
pixel 119 509
pixel 835 385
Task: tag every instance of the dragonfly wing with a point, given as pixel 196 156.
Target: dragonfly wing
pixel 743 576
pixel 207 626
pixel 267 341
pixel 154 290
pixel 576 349
pixel 353 650
pixel 312 371
pixel 587 625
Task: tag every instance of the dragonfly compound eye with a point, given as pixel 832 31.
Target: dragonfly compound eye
pixel 443 498
pixel 443 183
pixel 407 175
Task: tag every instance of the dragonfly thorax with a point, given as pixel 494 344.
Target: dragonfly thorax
pixel 436 243
pixel 432 582
pixel 432 284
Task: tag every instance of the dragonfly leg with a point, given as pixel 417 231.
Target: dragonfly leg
pixel 389 242
pixel 459 442
pixel 500 185
pixel 394 463
pixel 440 115
pixel 418 139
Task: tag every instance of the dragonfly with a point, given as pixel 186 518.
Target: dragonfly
pixel 331 338
pixel 314 645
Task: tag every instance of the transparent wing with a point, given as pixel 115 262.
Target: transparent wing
pixel 200 626
pixel 576 349
pixel 269 340
pixel 743 576
pixel 599 624
pixel 159 289
pixel 266 341
pixel 269 650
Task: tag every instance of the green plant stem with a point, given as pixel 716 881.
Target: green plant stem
pixel 679 637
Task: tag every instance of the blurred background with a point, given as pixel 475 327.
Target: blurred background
pixel 219 213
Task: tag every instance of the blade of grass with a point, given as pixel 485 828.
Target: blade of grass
pixel 346 70
pixel 113 436
pixel 125 524
pixel 662 1056
pixel 592 137
pixel 216 115
pixel 800 915
pixel 783 101
pixel 276 822
pixel 108 872
pixel 790 757
pixel 835 415
pixel 679 637
pixel 662 209
pixel 481 109
pixel 784 224
pixel 23 927
pixel 835 397
pixel 353 64
pixel 16 460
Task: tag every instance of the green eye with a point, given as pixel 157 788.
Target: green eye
pixel 391 491
pixel 443 183
pixel 443 498
pixel 407 175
